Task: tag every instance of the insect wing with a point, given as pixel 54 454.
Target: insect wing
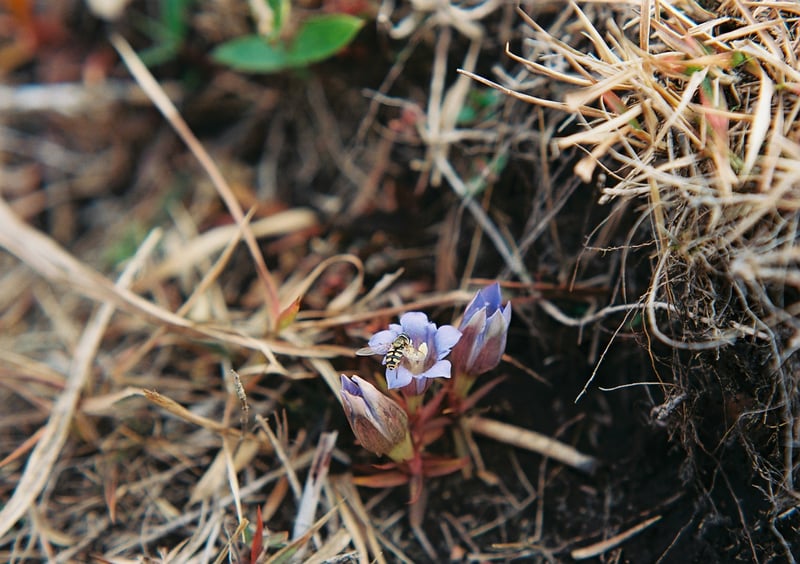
pixel 366 351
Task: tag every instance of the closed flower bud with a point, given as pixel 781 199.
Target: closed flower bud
pixel 378 422
pixel 484 330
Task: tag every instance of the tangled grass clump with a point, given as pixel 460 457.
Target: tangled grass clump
pixel 695 113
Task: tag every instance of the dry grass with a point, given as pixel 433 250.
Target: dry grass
pixel 162 403
pixel 694 113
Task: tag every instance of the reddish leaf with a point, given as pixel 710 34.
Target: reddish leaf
pixel 431 407
pixel 717 122
pixel 475 396
pixel 287 316
pixel 258 538
pixel 614 102
pixel 383 480
pixel 433 467
pixel 617 105
pixel 434 430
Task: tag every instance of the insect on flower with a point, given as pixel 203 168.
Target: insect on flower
pixel 398 349
pixel 393 351
pixel 413 351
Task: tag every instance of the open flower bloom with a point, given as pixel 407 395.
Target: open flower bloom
pixel 484 329
pixel 414 351
pixel 378 422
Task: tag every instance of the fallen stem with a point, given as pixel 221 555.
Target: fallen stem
pixel 533 441
pixel 604 546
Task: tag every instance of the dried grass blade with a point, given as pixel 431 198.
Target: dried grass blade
pixel 346 297
pixel 40 463
pixel 644 25
pixel 766 38
pixel 26 445
pixel 106 403
pixel 599 133
pixel 287 553
pixel 331 551
pixel 579 98
pixel 51 261
pixel 602 48
pixel 149 84
pixel 343 490
pixel 533 441
pixel 211 241
pixel 33 370
pixel 317 474
pixel 761 122
pixel 283 456
pixel 233 479
pixel 536 68
pixel 586 111
pixel 211 482
pixel 380 286
pixel 758 52
pixel 770 159
pixel 178 410
pixel 608 544
pixel 686 99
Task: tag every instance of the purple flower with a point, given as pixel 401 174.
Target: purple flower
pixel 484 329
pixel 413 351
pixel 378 422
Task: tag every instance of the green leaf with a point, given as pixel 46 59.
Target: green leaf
pixel 280 9
pixel 738 58
pixel 168 32
pixel 251 53
pixel 173 15
pixel 323 36
pixel 466 115
pixel 317 39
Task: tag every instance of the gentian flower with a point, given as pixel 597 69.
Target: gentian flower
pixel 378 422
pixel 484 329
pixel 413 352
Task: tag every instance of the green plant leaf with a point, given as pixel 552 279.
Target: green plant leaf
pixel 251 53
pixel 280 9
pixel 317 39
pixel 323 36
pixel 168 32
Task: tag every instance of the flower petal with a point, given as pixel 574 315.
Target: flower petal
pixel 398 377
pixel 439 370
pixel 415 325
pixel 507 313
pixel 348 386
pixel 484 329
pixel 382 341
pixel 473 324
pixel 493 345
pixel 370 393
pixel 486 298
pixel 378 422
pixel 444 340
pixel 417 387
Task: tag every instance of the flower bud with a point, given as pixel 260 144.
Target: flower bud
pixel 484 329
pixel 378 422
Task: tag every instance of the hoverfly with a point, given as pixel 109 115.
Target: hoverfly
pixel 393 353
pixel 397 350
